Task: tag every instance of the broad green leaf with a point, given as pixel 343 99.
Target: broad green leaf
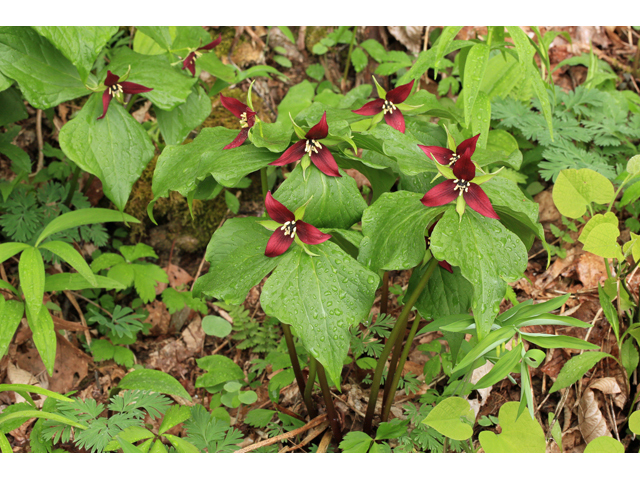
pixel 488 343
pixel 31 270
pixel 75 281
pixel 175 415
pixel 9 249
pixel 115 149
pixel 598 219
pixel 179 167
pixel 123 356
pixel 634 422
pixel 297 99
pixel 154 380
pixel 321 297
pixel 394 230
pixel 41 414
pixel 161 35
pixel 453 418
pixel 44 336
pixel 545 340
pixel 176 124
pixel 335 201
pixel 12 107
pixel 220 369
pixel 46 78
pixel 216 326
pixel 275 137
pixel 633 165
pixel 632 247
pixel 102 350
pixel 575 368
pixel 502 74
pixel 488 255
pixel 16 407
pixel 445 294
pixel 212 64
pixel 503 367
pixel 576 189
pixel 10 315
pixel 139 250
pixel 629 356
pixel 501 149
pixel 600 236
pixel 70 255
pixel 609 311
pixel 237 260
pixel 87 216
pixel 475 66
pixel 181 445
pixel 81 45
pixel 170 86
pixel 5 446
pixel 356 442
pixel 521 435
pixel 394 429
pixel 23 389
pixel 631 194
pixel 4 82
pixel 146 278
pixel 481 118
pixel 131 435
pixel 604 444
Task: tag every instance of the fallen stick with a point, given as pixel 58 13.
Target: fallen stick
pixel 270 441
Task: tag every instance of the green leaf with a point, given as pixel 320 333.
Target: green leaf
pixel 576 189
pixel 102 350
pixel 176 124
pixel 9 249
pixel 161 35
pixel 237 260
pixel 248 397
pixel 335 201
pixel 146 278
pixel 154 380
pixel 501 149
pixel 23 389
pixel 75 281
pixel 488 343
pixel 275 137
pixel 44 336
pixel 212 64
pixel 481 118
pixel 634 422
pixel 394 228
pixel 12 107
pixel 519 434
pixel 10 315
pixel 259 417
pixel 359 59
pixel 115 149
pixel 575 368
pixel 475 67
pixel 4 82
pixel 502 75
pixel 175 415
pixel 170 87
pixel 394 429
pixel 609 311
pixel 297 99
pixel 629 356
pixel 181 445
pixel 321 297
pixel 448 418
pixel 220 369
pixel 632 247
pixel 633 165
pixel 604 444
pixel 131 435
pixel 631 194
pixel 503 367
pixel 31 270
pixel 216 326
pixel 81 45
pixel 134 252
pixel 356 442
pixel 123 356
pixel 158 447
pixel 600 236
pixel 46 78
pixel 232 202
pixel 70 255
pixel 488 255
pixel 77 218
pixel 545 340
pixel 40 414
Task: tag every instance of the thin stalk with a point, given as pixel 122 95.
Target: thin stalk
pixel 131 101
pixel 88 183
pixel 396 378
pixel 384 296
pixel 72 188
pixel 310 381
pixel 296 366
pixel 397 348
pixel 346 69
pixel 265 181
pixel 445 445
pixel 331 410
pixel 397 329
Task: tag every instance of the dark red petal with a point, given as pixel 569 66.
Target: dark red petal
pixel 310 234
pixel 478 200
pixel 442 155
pixel 372 108
pixel 440 194
pixel 251 117
pixel 106 100
pixel 213 44
pixel 400 94
pixel 464 168
pixel 111 79
pixel 277 211
pixel 469 143
pixel 325 162
pixel 234 106
pixel 444 264
pixel 291 154
pixel 278 243
pixel 395 120
pixel 130 87
pixel 320 130
pixel 189 63
pixel 242 136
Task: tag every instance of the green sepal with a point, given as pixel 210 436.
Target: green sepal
pixel 382 93
pixel 483 178
pixel 403 107
pixel 249 102
pixel 377 118
pixel 460 205
pixel 299 131
pixel 304 247
pixel 451 143
pixel 125 76
pixel 304 163
pixel 445 171
pixel 270 224
pixel 299 213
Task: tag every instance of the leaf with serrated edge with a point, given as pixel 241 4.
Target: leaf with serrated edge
pixel 321 297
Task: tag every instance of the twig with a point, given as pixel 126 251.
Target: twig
pixel 324 443
pixel 612 417
pixel 312 434
pixel 284 436
pixel 3 274
pixel 198 272
pixel 74 302
pixel 558 409
pixel 91 302
pixel 220 347
pixel 40 141
pixel 254 36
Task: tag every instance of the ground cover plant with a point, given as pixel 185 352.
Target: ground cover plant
pixel 232 247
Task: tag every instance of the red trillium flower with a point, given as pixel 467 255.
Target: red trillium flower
pixel 282 238
pixel 115 87
pixel 318 153
pixel 392 115
pixel 443 263
pixel 444 156
pixel 463 186
pixel 244 114
pixel 190 60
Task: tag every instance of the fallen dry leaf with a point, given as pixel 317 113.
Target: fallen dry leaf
pixel 159 317
pixel 18 375
pixel 590 420
pixel 607 385
pixel 193 336
pixel 591 270
pixel 410 37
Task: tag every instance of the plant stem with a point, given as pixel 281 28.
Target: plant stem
pixel 396 378
pixel 310 381
pixel 265 181
pixel 72 188
pixel 331 410
pixel 346 69
pixel 384 296
pixel 445 445
pixel 296 366
pixel 400 326
pixel 88 183
pixel 131 101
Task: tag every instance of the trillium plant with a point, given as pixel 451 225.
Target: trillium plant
pixel 189 61
pixel 117 86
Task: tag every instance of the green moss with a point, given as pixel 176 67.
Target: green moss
pixel 313 35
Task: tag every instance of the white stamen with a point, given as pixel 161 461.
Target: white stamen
pixel 454 158
pixel 388 107
pixel 243 120
pixel 115 89
pixel 461 185
pixel 289 228
pixel 312 146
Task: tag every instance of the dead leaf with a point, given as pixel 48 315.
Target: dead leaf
pixel 141 114
pixel 193 336
pixel 606 385
pixel 477 374
pixel 410 37
pixel 62 324
pixel 18 375
pixel 590 420
pixel 546 207
pixel 159 317
pixel 591 270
